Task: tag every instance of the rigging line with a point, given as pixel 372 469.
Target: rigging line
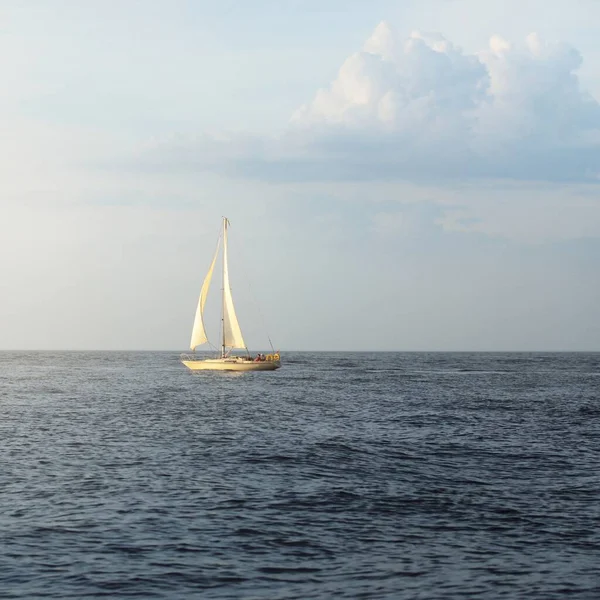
pixel 261 317
pixel 260 314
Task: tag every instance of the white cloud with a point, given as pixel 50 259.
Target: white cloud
pixel 424 84
pixel 422 109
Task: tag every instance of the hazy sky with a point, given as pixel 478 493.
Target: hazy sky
pixel 399 175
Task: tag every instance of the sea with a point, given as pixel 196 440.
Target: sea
pixel 341 475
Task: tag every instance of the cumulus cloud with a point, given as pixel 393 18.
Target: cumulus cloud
pixel 423 85
pixel 421 108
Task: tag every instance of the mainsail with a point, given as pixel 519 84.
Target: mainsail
pixel 199 336
pixel 232 334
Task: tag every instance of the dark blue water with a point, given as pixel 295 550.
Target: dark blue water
pixel 338 476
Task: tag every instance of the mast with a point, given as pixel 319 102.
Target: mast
pixel 223 287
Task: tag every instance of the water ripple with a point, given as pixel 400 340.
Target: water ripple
pixel 386 475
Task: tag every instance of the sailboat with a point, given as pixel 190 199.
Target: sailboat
pixel 231 334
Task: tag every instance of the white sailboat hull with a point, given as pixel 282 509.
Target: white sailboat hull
pixel 231 364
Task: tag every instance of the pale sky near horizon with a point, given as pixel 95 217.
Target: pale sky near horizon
pixel 399 175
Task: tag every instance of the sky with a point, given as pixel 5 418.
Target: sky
pixel 414 175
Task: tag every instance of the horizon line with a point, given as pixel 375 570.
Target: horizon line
pixel 371 351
